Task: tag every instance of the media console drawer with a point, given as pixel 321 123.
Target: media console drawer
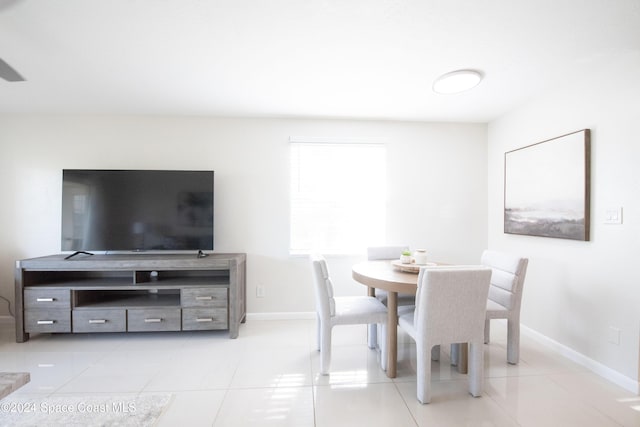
pixel 47 320
pixel 201 319
pixel 99 320
pixel 153 319
pixel 204 297
pixel 46 298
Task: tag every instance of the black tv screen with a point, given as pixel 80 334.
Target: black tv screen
pixel 137 210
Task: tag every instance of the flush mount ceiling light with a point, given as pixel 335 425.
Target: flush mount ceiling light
pixel 457 81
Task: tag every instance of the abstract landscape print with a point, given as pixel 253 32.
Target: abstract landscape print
pixel 546 188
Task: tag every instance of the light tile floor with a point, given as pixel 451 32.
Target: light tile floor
pixel 269 377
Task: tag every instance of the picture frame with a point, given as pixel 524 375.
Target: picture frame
pixel 547 188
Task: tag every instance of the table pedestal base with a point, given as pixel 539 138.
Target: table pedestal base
pixel 460 358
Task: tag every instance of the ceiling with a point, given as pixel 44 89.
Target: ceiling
pixel 368 59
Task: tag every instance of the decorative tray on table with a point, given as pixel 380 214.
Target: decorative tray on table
pixel 410 268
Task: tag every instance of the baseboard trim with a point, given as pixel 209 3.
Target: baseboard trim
pixel 594 366
pixel 300 315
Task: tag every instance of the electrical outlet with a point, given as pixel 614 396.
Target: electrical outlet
pixel 259 291
pixel 614 335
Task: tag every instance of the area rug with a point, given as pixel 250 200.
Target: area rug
pixel 93 410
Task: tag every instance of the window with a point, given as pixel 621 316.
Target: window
pixel 338 197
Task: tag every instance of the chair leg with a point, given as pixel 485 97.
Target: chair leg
pixel 383 347
pixel 513 341
pixel 435 353
pixel 476 368
pixel 372 335
pixel 325 349
pixel 454 354
pixel 487 330
pixel 423 372
pixel 318 332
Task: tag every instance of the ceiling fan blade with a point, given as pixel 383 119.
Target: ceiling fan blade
pixel 8 73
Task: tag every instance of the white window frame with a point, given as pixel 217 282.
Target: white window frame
pixel 337 203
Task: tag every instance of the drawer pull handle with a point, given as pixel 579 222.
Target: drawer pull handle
pixel 45 299
pixel 205 298
pixel 46 322
pixel 97 321
pixel 152 320
pixel 204 319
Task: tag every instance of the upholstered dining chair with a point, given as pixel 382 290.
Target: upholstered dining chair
pixel 332 311
pixel 450 308
pixel 385 252
pixel 378 253
pixel 505 296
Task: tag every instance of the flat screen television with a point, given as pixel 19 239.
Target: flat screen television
pixel 137 210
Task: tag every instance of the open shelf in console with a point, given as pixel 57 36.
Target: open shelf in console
pixel 182 277
pixel 143 298
pixel 78 278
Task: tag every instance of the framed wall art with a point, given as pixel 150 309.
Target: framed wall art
pixel 546 188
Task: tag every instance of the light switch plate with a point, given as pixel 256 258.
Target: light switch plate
pixel 613 216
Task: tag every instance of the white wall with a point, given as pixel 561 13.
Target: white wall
pixel 436 199
pixel 575 291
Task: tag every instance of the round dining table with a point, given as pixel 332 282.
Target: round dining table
pixel 394 278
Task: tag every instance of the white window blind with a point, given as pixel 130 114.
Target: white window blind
pixel 338 197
